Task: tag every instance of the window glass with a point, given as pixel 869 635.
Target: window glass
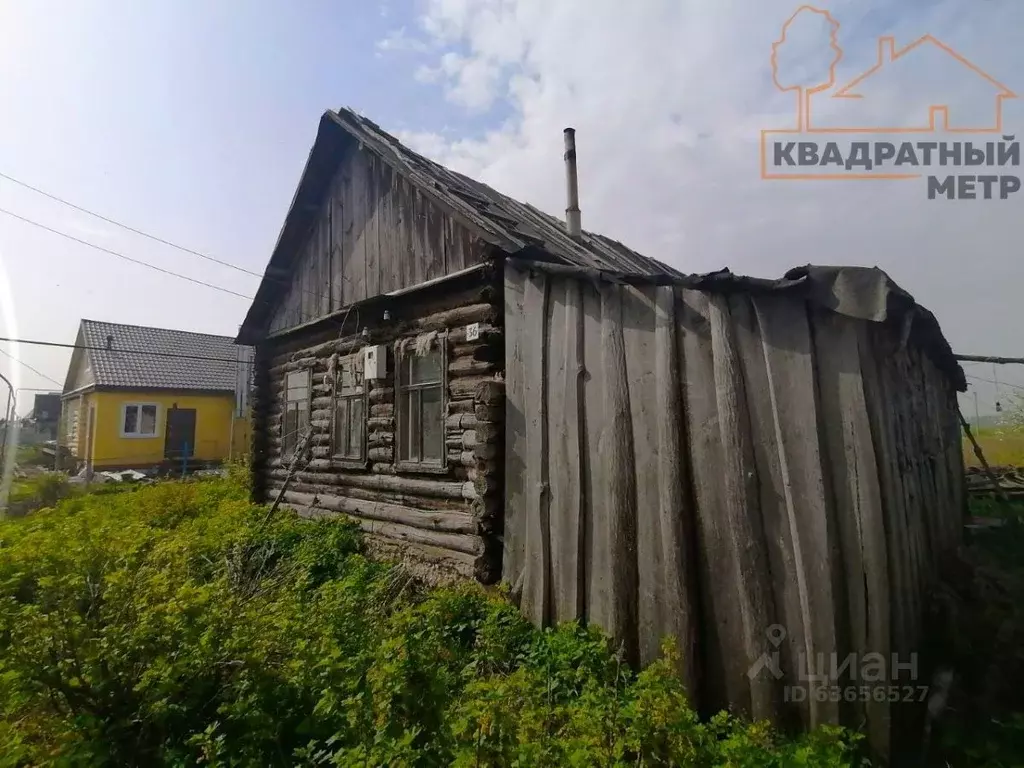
pixel 147 420
pixel 420 403
pixel 131 419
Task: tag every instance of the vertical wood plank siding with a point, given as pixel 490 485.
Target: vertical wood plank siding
pixel 705 466
pixel 375 233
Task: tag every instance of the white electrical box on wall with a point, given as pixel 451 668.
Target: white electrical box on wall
pixel 472 331
pixel 375 362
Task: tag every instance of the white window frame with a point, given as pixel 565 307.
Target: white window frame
pixel 139 405
pixel 403 390
pixel 288 451
pixel 340 395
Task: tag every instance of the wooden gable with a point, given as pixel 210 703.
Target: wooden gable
pixel 375 233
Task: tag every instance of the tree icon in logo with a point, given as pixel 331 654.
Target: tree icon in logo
pixel 807 54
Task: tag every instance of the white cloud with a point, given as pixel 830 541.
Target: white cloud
pixel 399 41
pixel 668 98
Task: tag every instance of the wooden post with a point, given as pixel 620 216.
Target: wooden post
pixel 981 458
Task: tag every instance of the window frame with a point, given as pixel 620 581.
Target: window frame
pixel 342 460
pixel 402 388
pixel 139 405
pixel 288 452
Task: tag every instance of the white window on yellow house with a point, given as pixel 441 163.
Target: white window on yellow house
pixel 138 419
pixel 350 410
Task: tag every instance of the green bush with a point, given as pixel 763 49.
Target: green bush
pixel 169 625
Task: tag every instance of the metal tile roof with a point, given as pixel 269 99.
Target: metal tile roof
pixel 129 368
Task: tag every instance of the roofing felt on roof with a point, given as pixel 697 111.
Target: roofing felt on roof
pixel 128 368
pixel 509 225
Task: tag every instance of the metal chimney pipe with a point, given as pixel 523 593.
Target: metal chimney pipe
pixel 572 191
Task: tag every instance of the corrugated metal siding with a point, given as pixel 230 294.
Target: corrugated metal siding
pixel 704 466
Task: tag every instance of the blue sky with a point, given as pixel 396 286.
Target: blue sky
pixel 192 120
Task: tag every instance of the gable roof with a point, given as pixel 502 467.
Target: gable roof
pixel 173 363
pixel 507 224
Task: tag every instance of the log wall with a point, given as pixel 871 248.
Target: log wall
pixel 447 522
pixel 749 474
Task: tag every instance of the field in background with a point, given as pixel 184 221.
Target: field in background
pixel 1002 446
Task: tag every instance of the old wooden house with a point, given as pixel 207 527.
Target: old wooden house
pixel 748 466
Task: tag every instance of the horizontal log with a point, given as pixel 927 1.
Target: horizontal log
pixel 381 438
pixel 461 440
pixel 474 350
pixel 323 414
pixel 470 544
pixel 485 484
pixel 452 521
pixel 307 361
pixel 489 413
pixel 382 409
pixel 441 489
pixel 381 454
pixel 325 401
pixel 320 451
pixel 466 386
pixel 487 331
pixel 487 451
pixel 313 465
pixel 465 405
pixel 490 392
pixel 460 421
pixel 383 468
pixel 467 366
pixel 381 395
pixel 387 497
pixel 460 316
pixel 321 438
pixel 489 433
pixel 321 425
pixel 434 566
pixel 488 506
pixel 461 458
pixel 381 422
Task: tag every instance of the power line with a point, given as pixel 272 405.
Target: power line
pixel 144 352
pixel 158 239
pixel 36 371
pixel 128 227
pixel 122 256
pixel 997 383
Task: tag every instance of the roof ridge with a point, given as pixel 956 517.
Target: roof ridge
pixel 157 328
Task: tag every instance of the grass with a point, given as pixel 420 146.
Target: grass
pixel 172 624
pixel 1002 446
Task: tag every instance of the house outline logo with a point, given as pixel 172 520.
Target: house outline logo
pixel 888 53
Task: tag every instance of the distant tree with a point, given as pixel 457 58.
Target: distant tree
pixel 807 53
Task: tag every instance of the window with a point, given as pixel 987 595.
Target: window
pixel 138 420
pixel 421 408
pixel 296 410
pixel 350 410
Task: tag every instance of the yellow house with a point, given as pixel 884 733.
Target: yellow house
pixel 142 398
